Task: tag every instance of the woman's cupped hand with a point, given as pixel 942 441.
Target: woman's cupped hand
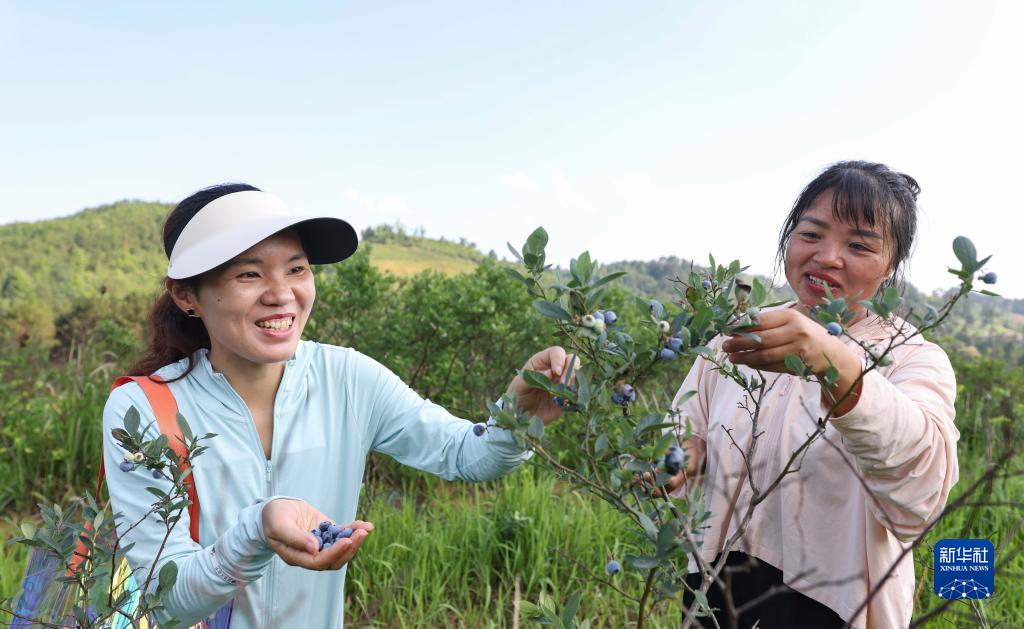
pixel 287 526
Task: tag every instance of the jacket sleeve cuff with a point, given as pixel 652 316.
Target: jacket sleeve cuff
pixel 242 555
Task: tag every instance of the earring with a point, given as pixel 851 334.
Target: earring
pixel 192 313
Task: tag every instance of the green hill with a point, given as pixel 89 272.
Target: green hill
pixel 58 276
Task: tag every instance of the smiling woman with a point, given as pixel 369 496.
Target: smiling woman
pixel 294 419
pixel 818 543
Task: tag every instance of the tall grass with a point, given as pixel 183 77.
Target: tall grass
pixel 455 557
pixel 450 554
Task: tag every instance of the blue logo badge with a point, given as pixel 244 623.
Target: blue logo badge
pixel 965 568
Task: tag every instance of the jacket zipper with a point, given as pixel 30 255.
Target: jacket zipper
pixel 269 585
pixel 272 572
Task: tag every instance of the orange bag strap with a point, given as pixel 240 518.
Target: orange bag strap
pixel 165 407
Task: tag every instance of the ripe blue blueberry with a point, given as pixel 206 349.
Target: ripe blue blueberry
pixel 674 459
pixel 479 429
pixel 345 532
pixel 326 524
pixel 617 398
pixel 610 317
pixel 834 328
pixel 125 466
pixel 706 284
pixel 326 546
pixel 675 343
pixel 612 567
pixel 599 315
pixel 157 474
pixel 334 529
pixel 668 355
pixel 990 277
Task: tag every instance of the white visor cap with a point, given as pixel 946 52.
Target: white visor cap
pixel 228 225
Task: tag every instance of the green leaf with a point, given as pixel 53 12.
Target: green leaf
pixel 536 242
pixel 601 444
pixel 569 612
pixel 608 278
pixel 702 600
pixel 758 292
pixel 553 310
pixel 667 535
pixel 795 365
pixel 891 298
pixel 648 526
pixel 131 421
pixel 28 529
pixel 642 562
pixel 583 388
pixel 517 276
pixel 656 309
pixel 168 576
pixel 186 430
pixel 534 613
pixel 965 252
pixel 831 376
pixel 536 429
pixel 539 381
pixel 515 252
pixel 751 336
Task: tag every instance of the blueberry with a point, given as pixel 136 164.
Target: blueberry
pixel 599 315
pixel 334 529
pixel 479 429
pixel 610 317
pixel 627 391
pixel 706 284
pixel 834 328
pixel 612 567
pixel 675 343
pixel 668 355
pixel 990 277
pixel 326 546
pixel 588 321
pixel 157 474
pixel 560 402
pixel 664 327
pixel 617 398
pixel 674 459
pixel 598 325
pixel 345 532
pixel 126 466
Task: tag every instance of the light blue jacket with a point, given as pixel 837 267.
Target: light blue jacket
pixel 333 406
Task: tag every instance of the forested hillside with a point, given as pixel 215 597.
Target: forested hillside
pixel 60 276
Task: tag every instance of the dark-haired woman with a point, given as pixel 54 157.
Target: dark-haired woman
pixel 294 419
pixel 881 471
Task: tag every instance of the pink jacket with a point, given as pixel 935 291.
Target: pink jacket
pixel 872 482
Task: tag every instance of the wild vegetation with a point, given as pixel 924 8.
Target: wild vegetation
pixel 77 296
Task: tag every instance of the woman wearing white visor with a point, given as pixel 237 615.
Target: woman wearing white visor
pixel 294 419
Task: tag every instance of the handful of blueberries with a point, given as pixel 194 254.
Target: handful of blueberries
pixel 328 533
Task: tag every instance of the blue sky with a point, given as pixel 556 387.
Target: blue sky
pixel 633 130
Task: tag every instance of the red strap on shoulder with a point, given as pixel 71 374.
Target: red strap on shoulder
pixel 165 408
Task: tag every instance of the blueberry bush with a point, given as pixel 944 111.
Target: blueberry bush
pixel 630 444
